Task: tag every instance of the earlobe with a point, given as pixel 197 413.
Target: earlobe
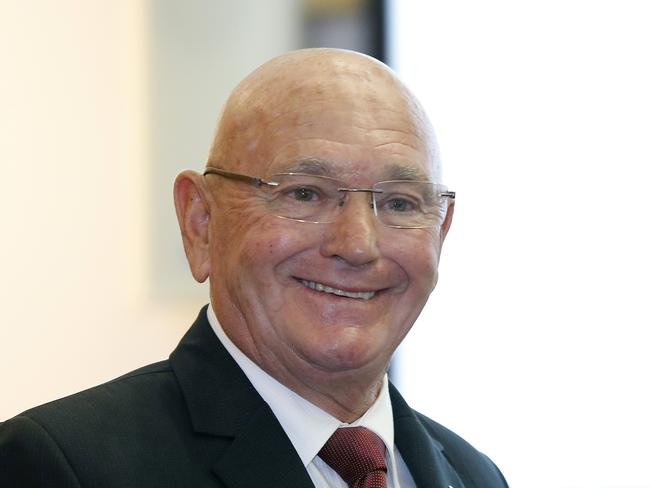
pixel 193 213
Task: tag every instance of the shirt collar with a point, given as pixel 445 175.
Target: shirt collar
pixel 294 412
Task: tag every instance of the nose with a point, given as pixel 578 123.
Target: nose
pixel 352 236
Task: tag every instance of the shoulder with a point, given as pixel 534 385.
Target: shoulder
pixel 415 430
pixel 119 419
pixel 29 457
pixel 468 462
pixel 124 395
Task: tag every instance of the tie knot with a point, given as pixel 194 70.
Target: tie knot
pixel 357 455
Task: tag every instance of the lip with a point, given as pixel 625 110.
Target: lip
pixel 359 293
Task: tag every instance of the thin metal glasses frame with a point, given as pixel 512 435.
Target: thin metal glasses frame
pixel 259 181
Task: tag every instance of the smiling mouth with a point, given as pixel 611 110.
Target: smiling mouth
pixel 365 295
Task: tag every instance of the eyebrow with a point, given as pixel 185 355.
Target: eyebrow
pixel 310 165
pixel 403 172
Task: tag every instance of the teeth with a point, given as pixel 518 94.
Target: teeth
pixel 366 295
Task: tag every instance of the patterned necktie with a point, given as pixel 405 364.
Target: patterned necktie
pixel 357 455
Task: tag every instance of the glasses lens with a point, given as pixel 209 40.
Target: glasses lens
pixel 304 197
pixel 409 204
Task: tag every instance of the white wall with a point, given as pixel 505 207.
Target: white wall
pixel 535 344
pixel 85 204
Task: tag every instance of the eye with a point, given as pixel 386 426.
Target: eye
pixel 303 194
pixel 399 204
pixel 302 190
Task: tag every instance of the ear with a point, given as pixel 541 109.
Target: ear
pixel 193 211
pixel 446 224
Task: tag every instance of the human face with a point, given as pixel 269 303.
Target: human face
pixel 302 299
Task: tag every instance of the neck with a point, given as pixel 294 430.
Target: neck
pixel 344 395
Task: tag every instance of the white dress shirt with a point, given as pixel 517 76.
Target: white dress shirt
pixel 294 413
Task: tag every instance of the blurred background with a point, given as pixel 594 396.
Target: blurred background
pixel 534 346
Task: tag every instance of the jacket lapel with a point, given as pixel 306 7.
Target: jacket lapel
pixel 262 455
pixel 422 453
pixel 255 451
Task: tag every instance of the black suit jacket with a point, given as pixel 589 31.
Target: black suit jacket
pixel 196 421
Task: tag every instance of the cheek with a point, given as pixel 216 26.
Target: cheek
pixel 266 246
pixel 419 258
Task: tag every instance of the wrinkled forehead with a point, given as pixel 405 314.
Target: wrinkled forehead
pixel 332 168
pixel 332 110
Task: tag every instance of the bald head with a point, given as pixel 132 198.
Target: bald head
pixel 337 114
pixel 294 89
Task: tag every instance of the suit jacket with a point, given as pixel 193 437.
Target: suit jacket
pixel 196 421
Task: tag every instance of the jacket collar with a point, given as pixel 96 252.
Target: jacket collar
pixel 223 403
pixel 424 455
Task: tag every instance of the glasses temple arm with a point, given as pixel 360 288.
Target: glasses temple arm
pixel 253 180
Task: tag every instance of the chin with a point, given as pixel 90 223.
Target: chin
pixel 344 354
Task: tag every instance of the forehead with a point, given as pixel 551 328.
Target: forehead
pixel 349 113
pixel 342 132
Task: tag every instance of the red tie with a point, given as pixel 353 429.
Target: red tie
pixel 357 455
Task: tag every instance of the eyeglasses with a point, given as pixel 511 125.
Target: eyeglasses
pixel 402 204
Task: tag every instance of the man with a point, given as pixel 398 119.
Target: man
pixel 319 222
